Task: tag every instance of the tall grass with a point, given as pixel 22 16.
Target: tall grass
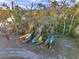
pixel 64 25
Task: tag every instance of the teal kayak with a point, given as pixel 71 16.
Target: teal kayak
pixel 52 40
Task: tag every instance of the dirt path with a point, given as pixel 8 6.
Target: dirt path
pixel 4 43
pixel 65 48
pixel 12 49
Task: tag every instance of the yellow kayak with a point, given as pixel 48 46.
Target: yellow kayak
pixel 40 39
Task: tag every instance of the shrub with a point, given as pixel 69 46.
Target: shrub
pixel 21 32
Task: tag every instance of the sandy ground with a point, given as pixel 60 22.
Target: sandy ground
pixel 13 58
pixel 65 48
pixel 4 43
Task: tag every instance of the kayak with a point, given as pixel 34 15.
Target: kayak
pixel 39 40
pixel 52 40
pixel 24 37
pixel 28 38
pixel 35 39
pixel 46 42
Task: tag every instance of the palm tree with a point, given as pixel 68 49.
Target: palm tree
pixel 41 5
pixel 5 5
pixel 12 4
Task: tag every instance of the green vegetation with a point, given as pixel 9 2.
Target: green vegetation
pixel 61 19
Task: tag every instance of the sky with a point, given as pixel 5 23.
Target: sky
pixel 24 3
